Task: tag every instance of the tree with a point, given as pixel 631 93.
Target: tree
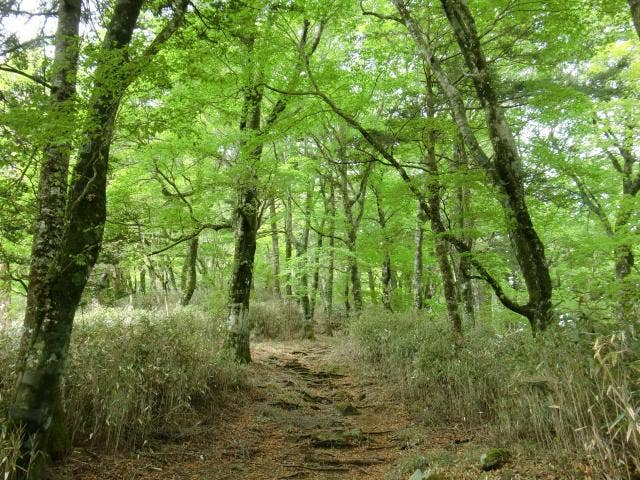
pixel 58 279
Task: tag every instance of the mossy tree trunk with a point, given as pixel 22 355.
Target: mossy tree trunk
pixel 353 204
pixel 50 208
pixel 634 5
pixel 330 208
pixel 288 247
pixel 315 287
pixel 464 269
pixel 387 270
pixel 247 213
pixel 63 262
pixel 302 248
pixel 275 245
pixel 434 199
pixel 191 273
pixel 503 167
pixel 417 283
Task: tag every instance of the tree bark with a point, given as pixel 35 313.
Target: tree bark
pixel 275 245
pixel 316 268
pixel 464 268
pixel 302 248
pixel 5 293
pixel 352 221
pixel 634 5
pixel 503 167
pixel 288 247
pixel 64 273
pixel 329 279
pixel 417 284
pixel 434 199
pixel 246 221
pixel 387 271
pixel 191 273
pixel 248 206
pixel 50 206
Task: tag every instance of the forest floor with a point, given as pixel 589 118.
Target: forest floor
pixel 305 415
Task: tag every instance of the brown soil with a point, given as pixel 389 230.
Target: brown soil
pixel 300 418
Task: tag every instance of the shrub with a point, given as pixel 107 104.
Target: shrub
pixel 276 319
pixel 133 374
pixel 560 390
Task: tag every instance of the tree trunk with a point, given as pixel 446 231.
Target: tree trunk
pixel 386 281
pixel 302 248
pixel 464 268
pixel 5 293
pixel 387 272
pixel 49 224
pixel 63 272
pixel 275 245
pixel 503 167
pixel 329 281
pixel 143 281
pixel 288 247
pixel 417 284
pixel 316 269
pixel 189 285
pixel 372 287
pixel 434 199
pixel 347 294
pixel 352 224
pixel 634 5
pixel 246 221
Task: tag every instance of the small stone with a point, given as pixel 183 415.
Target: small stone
pixel 494 458
pixel 417 475
pixel 420 475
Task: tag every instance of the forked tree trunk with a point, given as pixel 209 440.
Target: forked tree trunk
pixel 464 268
pixel 329 279
pixel 372 286
pixel 302 248
pixel 247 215
pixel 316 268
pixel 352 221
pixel 387 271
pixel 434 198
pixel 49 223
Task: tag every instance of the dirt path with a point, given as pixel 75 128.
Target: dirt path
pixel 301 418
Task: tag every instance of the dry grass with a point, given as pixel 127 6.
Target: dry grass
pixel 133 375
pixel 565 393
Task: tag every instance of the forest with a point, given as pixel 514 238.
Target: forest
pixel 299 239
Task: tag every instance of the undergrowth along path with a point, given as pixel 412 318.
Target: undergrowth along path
pixel 301 417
